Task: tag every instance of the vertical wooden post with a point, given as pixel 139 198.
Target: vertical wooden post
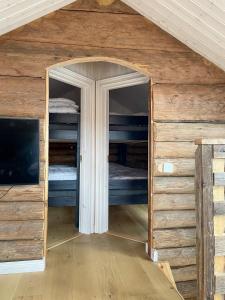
pixel 210 208
pixel 205 228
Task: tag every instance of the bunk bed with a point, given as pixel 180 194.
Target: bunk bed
pixel 64 126
pixel 64 120
pixel 126 185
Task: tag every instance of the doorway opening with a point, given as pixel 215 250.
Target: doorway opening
pixel 101 196
pixel 128 162
pixel 64 159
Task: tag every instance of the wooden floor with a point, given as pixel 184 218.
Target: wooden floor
pixel 90 267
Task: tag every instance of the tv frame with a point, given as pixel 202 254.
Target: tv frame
pixel 39 163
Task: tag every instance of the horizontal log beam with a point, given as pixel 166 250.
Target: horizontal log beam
pixel 21 211
pixel 174 219
pixel 178 256
pixel 21 230
pixel 172 238
pixel 173 202
pixel 21 250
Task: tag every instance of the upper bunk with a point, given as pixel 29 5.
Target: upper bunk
pixel 64 120
pixel 64 124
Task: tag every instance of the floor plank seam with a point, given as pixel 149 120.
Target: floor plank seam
pixel 124 237
pixel 64 242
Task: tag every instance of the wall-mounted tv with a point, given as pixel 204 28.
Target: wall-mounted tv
pixel 19 151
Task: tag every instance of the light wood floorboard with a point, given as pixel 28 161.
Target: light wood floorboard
pixel 92 267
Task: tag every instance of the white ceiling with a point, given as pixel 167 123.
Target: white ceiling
pixel 200 24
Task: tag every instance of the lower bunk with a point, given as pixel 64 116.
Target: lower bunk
pixel 126 185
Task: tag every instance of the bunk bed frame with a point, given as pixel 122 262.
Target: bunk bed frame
pixel 65 127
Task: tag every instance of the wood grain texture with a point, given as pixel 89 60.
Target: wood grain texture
pixel 189 102
pixel 205 222
pixel 174 149
pixel 173 202
pixel 22 193
pixel 132 276
pixel 184 273
pixel 106 30
pixel 31 58
pixel 187 289
pixel 26 94
pixel 174 238
pixel 21 230
pixel 89 5
pixel 181 167
pixel 21 211
pixel 173 185
pixel 188 132
pixel 174 219
pixel 21 250
pixel 165 268
pixel 178 256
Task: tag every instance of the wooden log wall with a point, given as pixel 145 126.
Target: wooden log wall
pixel 188 103
pixel 210 184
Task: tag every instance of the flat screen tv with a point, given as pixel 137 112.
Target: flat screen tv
pixel 19 151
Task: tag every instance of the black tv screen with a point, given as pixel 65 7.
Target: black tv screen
pixel 19 151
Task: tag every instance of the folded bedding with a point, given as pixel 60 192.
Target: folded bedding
pixel 62 105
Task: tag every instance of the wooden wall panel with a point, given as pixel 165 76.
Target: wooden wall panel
pixel 178 256
pixel 108 31
pixel 173 202
pixel 21 250
pixel 21 211
pixel 174 219
pixel 189 102
pixel 21 230
pixel 90 5
pixel 32 58
pixel 181 167
pixel 22 193
pixel 173 185
pixel 188 132
pixel 27 95
pixel 173 238
pixel 188 289
pixel 174 149
pixel 185 273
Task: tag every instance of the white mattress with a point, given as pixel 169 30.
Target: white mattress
pixel 63 105
pixel 130 114
pixel 116 171
pixel 62 172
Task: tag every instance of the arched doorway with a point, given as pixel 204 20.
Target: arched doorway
pixel 95 209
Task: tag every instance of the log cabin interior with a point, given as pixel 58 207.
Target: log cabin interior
pixel 117 96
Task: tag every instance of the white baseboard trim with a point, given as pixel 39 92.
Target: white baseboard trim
pixel 154 255
pixel 24 266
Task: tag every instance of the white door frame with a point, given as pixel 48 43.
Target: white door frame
pixel 102 140
pixel 87 144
